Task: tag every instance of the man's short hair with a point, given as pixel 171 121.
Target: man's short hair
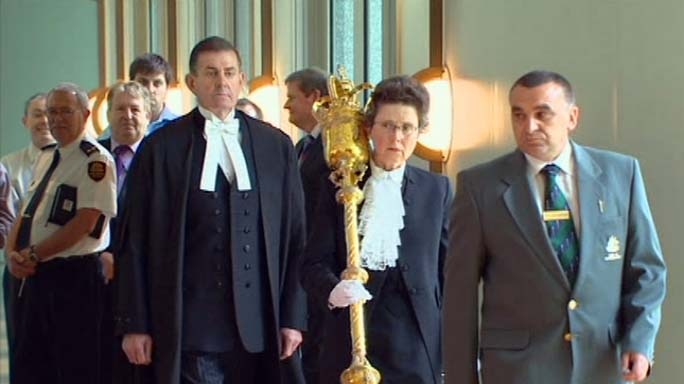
pixel 36 96
pixel 309 80
pixel 151 63
pixel 212 44
pixel 399 90
pixel 540 77
pixel 74 89
pixel 131 88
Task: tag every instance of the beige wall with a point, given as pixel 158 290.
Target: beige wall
pixel 625 60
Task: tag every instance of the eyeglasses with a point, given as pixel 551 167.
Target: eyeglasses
pixel 392 127
pixel 66 112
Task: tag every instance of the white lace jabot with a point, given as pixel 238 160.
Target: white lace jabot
pixel 381 219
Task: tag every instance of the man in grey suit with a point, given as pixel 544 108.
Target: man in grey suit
pixel 562 239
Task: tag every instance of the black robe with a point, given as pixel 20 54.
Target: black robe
pixel 427 198
pixel 149 263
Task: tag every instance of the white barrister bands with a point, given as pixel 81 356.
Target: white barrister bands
pixel 381 219
pixel 224 150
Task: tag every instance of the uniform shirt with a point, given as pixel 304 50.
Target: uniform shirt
pixel 566 180
pixel 20 166
pixel 73 171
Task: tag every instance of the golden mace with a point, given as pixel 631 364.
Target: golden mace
pixel 346 152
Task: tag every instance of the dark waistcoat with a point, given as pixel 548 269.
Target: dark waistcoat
pixel 224 265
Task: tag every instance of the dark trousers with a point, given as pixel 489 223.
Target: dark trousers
pixel 9 290
pixel 235 367
pixel 311 346
pixel 58 323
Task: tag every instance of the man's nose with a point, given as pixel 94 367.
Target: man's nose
pixel 531 125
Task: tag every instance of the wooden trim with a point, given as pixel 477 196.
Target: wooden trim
pixel 103 26
pixel 122 42
pixel 172 39
pixel 436 157
pixel 141 33
pixel 267 37
pixel 436 32
pixel 261 81
pixel 100 96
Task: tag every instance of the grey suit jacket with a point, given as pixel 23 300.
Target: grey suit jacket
pixel 535 327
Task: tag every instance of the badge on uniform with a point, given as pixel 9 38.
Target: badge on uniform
pixel 613 249
pixel 97 170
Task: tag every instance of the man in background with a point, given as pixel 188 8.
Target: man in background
pixel 154 73
pixel 20 166
pixel 129 111
pixel 304 88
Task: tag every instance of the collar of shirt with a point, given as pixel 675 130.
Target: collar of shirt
pixel 166 114
pixel 71 147
pixel 134 146
pixel 316 131
pixel 33 152
pixel 566 181
pixel 211 117
pixel 563 161
pixel 396 175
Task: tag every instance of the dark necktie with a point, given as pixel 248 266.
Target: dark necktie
pixel 303 146
pixel 122 157
pixel 24 233
pixel 559 224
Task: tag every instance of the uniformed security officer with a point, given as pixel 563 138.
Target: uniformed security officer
pixel 54 247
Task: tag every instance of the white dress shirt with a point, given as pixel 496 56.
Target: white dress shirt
pixel 20 166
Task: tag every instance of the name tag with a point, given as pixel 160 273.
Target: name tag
pixel 556 215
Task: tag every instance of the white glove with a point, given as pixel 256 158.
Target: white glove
pixel 348 292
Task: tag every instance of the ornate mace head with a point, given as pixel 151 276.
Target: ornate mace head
pixel 341 118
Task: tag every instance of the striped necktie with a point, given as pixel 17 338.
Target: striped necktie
pixel 559 224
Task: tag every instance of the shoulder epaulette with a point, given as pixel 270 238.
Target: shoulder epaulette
pixel 88 148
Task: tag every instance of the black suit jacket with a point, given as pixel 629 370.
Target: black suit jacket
pixel 314 172
pixel 427 198
pixel 150 260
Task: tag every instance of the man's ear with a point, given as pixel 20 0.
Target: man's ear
pixel 190 82
pixel 574 117
pixel 315 95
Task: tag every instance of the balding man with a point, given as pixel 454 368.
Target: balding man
pixel 54 248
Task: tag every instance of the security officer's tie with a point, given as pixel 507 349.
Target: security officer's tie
pixel 24 233
pixel 560 227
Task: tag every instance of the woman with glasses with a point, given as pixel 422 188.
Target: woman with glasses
pixel 403 238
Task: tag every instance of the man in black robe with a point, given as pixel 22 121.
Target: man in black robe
pixel 212 229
